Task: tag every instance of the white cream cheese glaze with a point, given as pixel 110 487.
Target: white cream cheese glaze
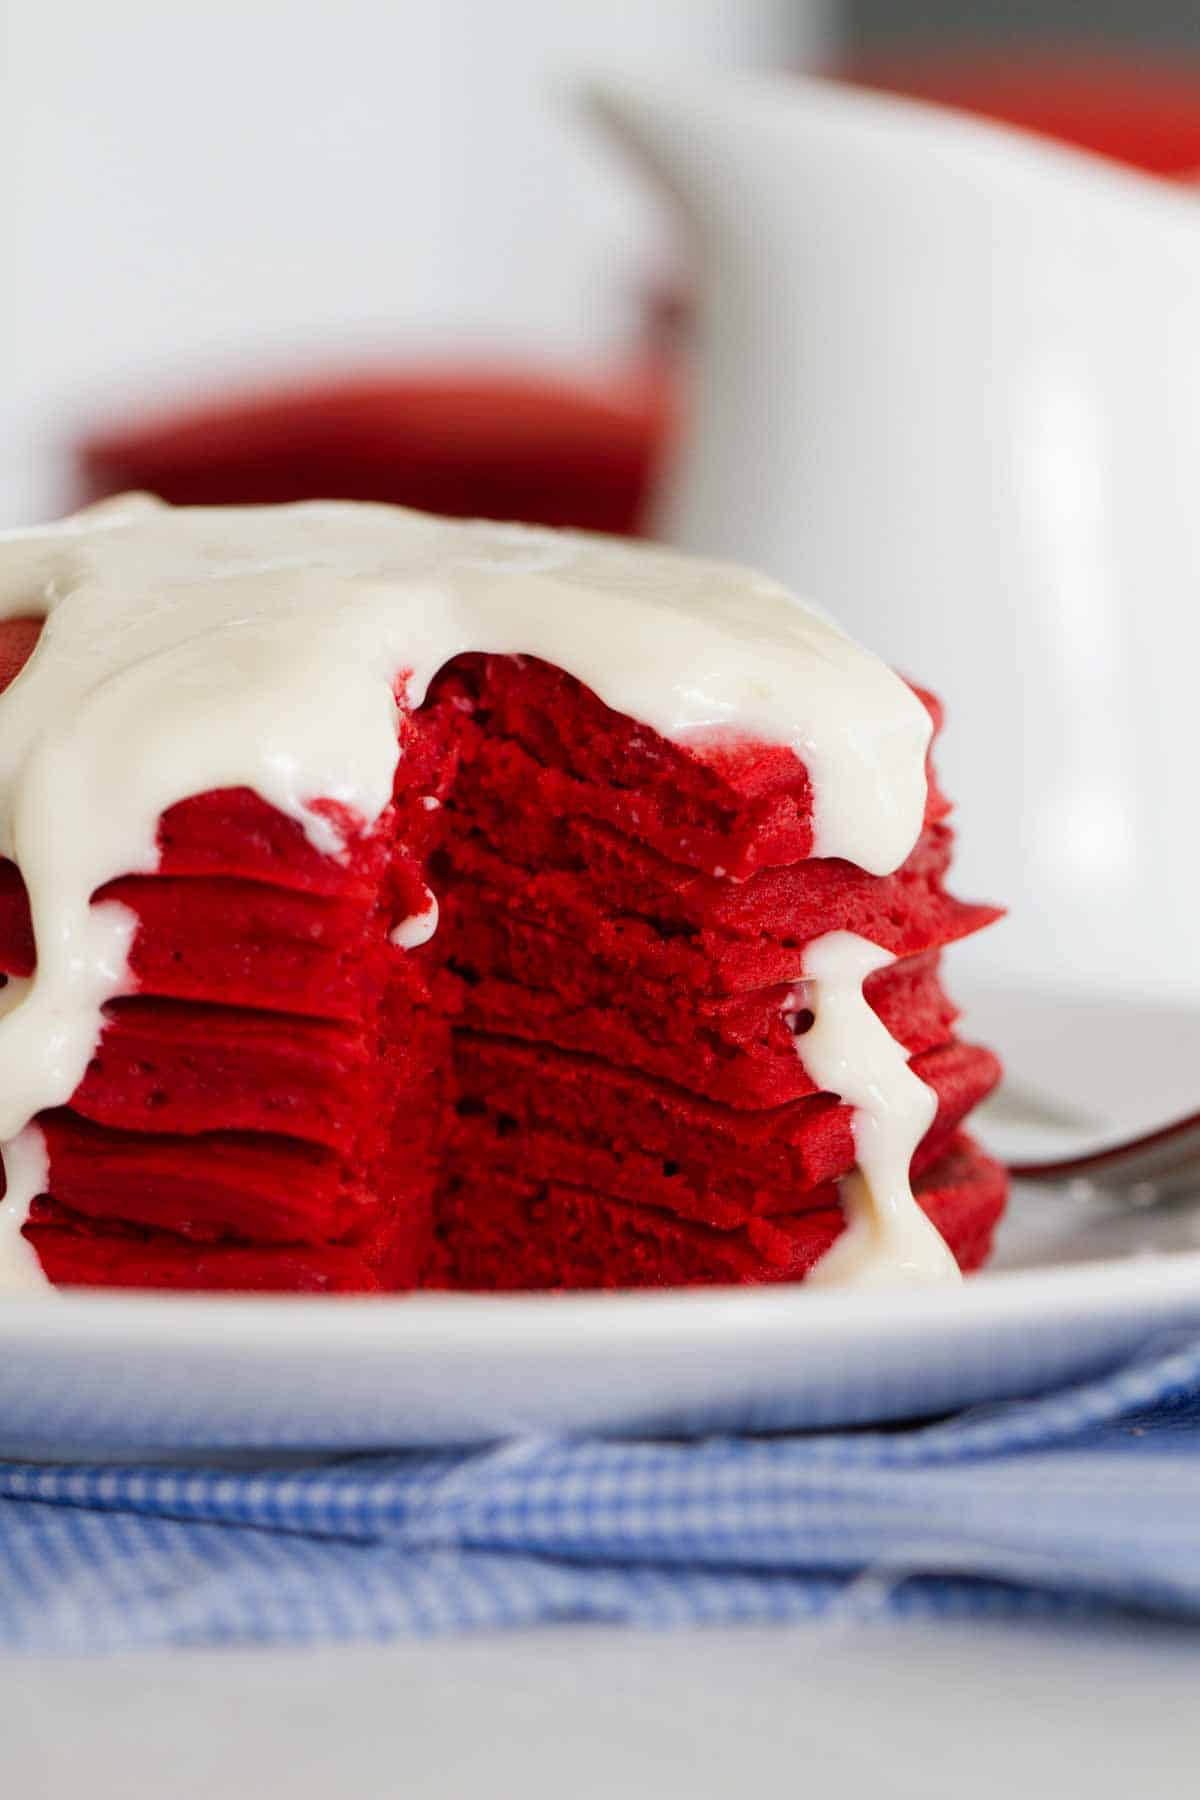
pixel 418 928
pixel 848 1050
pixel 261 647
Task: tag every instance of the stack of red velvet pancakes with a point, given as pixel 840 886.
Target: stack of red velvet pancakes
pixel 541 1024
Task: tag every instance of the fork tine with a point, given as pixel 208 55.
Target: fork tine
pixel 1167 1160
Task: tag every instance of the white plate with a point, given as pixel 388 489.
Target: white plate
pixel 1077 1282
pixel 1076 1286
pixel 1084 1071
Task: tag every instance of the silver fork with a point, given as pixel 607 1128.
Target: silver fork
pixel 1156 1165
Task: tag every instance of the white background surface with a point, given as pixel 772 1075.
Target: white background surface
pixel 831 1712
pixel 239 184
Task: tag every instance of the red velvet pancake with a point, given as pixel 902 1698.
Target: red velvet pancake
pixel 587 1076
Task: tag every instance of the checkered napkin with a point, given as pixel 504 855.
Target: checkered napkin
pixel 1087 1501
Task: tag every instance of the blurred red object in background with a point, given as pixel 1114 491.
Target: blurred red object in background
pixel 497 443
pixel 1138 111
pixel 484 444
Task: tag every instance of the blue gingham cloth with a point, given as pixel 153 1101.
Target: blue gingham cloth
pixel 1087 1501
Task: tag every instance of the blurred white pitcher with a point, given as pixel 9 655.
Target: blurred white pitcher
pixel 948 384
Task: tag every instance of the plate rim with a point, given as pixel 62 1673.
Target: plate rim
pixel 465 1324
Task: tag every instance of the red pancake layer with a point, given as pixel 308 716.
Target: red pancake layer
pixel 510 1233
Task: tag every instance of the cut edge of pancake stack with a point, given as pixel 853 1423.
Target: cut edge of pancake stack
pixel 633 1103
